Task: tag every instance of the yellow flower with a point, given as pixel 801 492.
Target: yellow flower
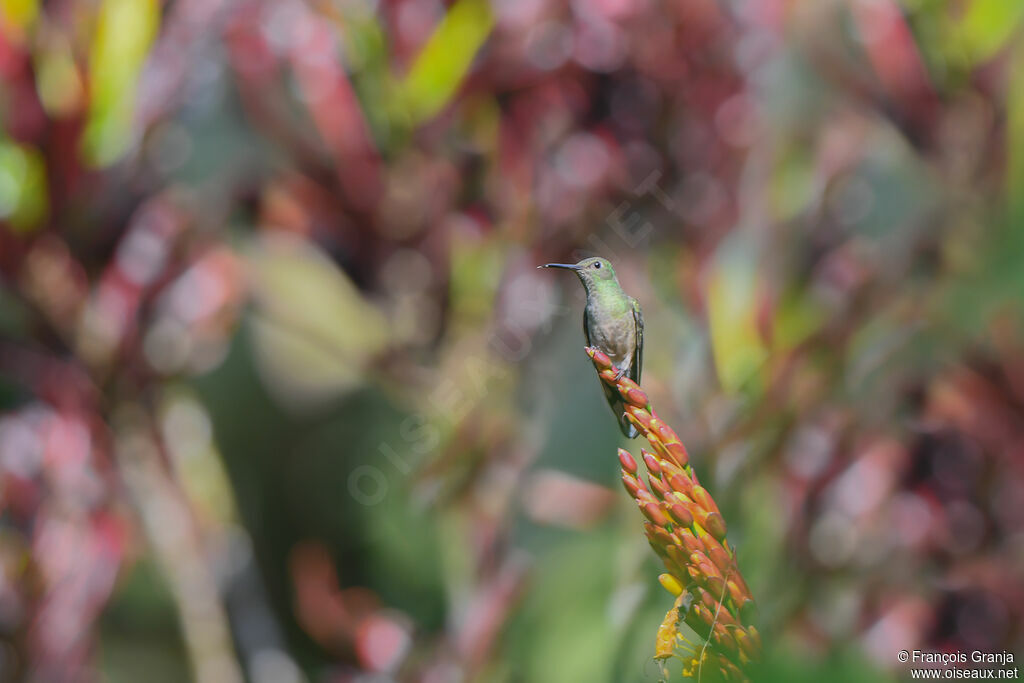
pixel 692 665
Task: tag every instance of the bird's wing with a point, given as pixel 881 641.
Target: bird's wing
pixel 611 395
pixel 638 355
pixel 586 326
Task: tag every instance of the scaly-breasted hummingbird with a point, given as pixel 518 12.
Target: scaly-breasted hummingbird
pixel 613 322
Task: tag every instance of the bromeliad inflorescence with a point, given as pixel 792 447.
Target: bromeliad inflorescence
pixel 686 529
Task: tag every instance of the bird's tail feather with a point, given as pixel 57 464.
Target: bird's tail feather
pixel 615 401
pixel 624 424
pixel 627 427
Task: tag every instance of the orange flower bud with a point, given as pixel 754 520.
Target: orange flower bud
pixel 632 484
pixel 627 461
pixel 680 515
pixel 659 487
pixel 653 512
pixel 653 466
pixel 671 584
pixel 701 496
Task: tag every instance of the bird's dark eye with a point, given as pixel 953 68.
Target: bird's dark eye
pixel 597 265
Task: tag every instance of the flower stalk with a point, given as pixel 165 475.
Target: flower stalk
pixel 686 529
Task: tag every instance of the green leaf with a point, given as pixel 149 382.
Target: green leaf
pixel 124 32
pixel 314 333
pixel 988 24
pixel 738 349
pixel 17 15
pixel 445 59
pixel 23 196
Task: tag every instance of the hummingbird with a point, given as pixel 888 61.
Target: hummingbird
pixel 613 322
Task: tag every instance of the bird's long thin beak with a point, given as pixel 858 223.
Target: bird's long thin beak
pixel 567 266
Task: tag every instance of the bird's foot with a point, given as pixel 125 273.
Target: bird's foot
pixel 620 373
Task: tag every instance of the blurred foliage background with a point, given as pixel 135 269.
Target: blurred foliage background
pixel 284 398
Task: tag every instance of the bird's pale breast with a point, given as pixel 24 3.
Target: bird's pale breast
pixel 615 335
